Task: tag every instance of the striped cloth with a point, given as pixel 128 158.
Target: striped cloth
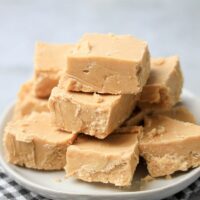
pixel 10 190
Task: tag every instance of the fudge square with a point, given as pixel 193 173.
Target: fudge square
pixel 27 102
pixel 107 63
pixel 169 145
pixel 33 142
pixel 112 160
pixel 164 85
pixel 179 112
pixel 93 114
pixel 50 61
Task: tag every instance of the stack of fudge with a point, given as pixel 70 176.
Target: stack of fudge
pixel 96 107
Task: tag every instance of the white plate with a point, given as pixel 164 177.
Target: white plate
pixel 54 185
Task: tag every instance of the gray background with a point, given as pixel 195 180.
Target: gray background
pixel 170 27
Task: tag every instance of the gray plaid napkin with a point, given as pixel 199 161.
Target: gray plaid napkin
pixel 9 189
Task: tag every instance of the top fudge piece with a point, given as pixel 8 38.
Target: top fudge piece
pixel 27 102
pixel 106 63
pixel 164 85
pixel 50 61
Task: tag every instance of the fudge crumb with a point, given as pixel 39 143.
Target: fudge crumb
pixel 147 179
pixel 152 133
pixel 168 177
pixel 160 129
pixel 156 131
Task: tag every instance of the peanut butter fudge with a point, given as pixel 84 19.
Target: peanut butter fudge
pixel 164 85
pixel 107 63
pixel 169 145
pixel 93 114
pixel 112 160
pixel 34 143
pixel 181 113
pixel 27 102
pixel 50 61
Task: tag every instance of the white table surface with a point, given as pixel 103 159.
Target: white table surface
pixel 170 27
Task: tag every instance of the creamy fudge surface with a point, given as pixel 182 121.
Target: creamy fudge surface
pixel 34 142
pixel 27 102
pixel 116 46
pixel 169 145
pixel 112 160
pixel 50 62
pixel 106 63
pixel 164 85
pixel 93 114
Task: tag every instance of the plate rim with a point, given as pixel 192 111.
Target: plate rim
pixel 192 175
